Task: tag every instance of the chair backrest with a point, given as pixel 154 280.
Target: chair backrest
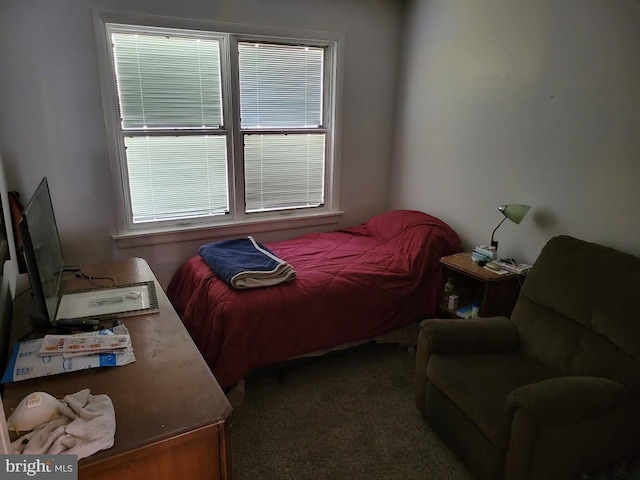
pixel 578 313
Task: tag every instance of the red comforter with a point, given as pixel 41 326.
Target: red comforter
pixel 351 285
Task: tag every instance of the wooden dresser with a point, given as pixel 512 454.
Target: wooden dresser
pixel 172 418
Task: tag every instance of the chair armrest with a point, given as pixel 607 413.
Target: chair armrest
pixel 457 335
pixel 477 335
pixel 564 400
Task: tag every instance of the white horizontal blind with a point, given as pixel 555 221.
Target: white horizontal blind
pixel 284 171
pixel 177 177
pixel 167 81
pixel 170 83
pixel 281 87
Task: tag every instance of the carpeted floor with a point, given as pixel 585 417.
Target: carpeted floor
pixel 344 416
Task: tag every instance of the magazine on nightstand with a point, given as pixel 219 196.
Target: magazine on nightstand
pixel 519 268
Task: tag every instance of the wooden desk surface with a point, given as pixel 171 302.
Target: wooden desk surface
pixel 167 391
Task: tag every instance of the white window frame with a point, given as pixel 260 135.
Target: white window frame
pixel 237 222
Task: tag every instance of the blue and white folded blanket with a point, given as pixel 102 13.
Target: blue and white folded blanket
pixel 245 263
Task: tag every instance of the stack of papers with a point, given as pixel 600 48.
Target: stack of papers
pixel 502 268
pixel 495 268
pixel 519 268
pixel 80 345
pixel 27 361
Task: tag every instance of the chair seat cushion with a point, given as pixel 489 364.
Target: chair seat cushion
pixel 479 385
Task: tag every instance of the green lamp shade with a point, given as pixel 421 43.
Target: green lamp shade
pixel 514 212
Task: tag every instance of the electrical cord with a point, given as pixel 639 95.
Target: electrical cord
pixel 91 278
pixel 519 276
pixel 26 290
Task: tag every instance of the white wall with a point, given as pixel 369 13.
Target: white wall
pixel 51 120
pixel 534 102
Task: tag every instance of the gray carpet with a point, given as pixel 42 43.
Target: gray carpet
pixel 344 416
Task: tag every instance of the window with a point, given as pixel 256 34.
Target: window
pixel 216 128
pixel 281 87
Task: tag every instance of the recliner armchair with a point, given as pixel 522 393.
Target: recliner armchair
pixel 554 390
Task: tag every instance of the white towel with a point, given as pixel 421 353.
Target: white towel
pixel 86 425
pixel 253 279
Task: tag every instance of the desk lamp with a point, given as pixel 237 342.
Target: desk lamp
pixel 513 212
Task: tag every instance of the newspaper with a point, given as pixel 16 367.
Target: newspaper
pixel 25 362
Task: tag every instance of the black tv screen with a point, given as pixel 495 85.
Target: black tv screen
pixel 43 254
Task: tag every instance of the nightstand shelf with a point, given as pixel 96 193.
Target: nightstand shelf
pixel 498 293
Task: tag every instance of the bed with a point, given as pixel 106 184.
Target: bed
pixel 351 285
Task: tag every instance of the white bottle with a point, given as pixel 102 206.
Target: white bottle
pixel 448 291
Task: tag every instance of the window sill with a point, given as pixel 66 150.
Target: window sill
pixel 227 229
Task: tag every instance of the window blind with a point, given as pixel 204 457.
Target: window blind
pixel 177 177
pixel 280 85
pixel 284 171
pixel 167 81
pixel 171 83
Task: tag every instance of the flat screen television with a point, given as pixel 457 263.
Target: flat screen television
pixel 43 254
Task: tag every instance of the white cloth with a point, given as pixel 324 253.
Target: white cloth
pixel 87 424
pixel 254 279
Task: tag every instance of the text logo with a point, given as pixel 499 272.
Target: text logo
pixel 51 467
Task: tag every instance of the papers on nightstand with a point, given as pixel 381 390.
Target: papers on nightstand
pixel 27 362
pixel 519 268
pixel 497 271
pixel 502 268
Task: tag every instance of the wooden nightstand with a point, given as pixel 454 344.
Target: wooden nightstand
pixel 498 293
